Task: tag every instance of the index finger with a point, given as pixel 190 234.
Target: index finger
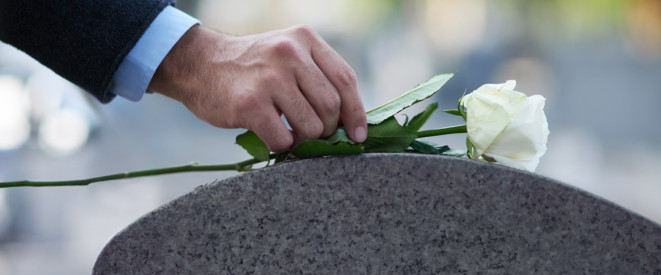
pixel 343 77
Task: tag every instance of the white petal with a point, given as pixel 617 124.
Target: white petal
pixel 508 85
pixel 527 133
pixel 524 141
pixel 485 121
pixel 499 94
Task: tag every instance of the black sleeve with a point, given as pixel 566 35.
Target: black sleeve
pixel 84 41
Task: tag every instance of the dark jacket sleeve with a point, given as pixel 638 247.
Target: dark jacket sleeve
pixel 84 41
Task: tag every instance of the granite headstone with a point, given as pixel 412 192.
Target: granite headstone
pixel 383 214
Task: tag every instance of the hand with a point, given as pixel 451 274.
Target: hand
pixel 249 82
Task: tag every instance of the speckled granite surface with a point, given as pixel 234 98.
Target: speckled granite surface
pixel 382 214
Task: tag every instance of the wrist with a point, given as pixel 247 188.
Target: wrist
pixel 175 76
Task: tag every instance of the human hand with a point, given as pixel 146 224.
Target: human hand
pixel 250 81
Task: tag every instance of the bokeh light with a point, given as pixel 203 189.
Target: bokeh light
pixel 63 132
pixel 455 27
pixel 14 120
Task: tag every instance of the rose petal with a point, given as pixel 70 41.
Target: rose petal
pixel 527 134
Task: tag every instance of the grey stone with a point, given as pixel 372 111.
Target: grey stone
pixel 386 213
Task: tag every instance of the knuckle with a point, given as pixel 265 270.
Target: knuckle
pixel 304 31
pixel 247 102
pixel 347 77
pixel 287 48
pixel 331 105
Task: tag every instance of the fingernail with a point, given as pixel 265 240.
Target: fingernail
pixel 360 134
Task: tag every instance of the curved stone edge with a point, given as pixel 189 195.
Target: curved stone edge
pixel 365 157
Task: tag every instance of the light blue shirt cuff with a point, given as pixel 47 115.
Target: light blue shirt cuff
pixel 137 69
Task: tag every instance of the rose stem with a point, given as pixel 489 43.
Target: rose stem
pixel 443 131
pixel 239 166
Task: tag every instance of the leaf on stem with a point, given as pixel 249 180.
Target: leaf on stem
pixel 388 136
pixel 426 147
pixel 460 107
pixel 254 145
pixel 420 92
pixel 469 148
pixel 453 112
pixel 319 147
pixel 339 135
pixel 454 153
pixel 280 157
pixel 420 119
pixel 406 121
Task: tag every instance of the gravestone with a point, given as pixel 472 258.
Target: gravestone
pixel 383 214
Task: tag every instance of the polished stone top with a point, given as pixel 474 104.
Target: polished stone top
pixel 382 214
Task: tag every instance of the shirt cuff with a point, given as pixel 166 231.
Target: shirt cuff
pixel 137 69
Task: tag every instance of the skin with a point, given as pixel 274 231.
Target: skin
pixel 250 81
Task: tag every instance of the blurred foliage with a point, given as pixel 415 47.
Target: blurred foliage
pixel 578 19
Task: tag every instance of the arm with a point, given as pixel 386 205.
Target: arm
pixel 227 81
pixel 249 82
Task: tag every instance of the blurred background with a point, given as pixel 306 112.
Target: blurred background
pixel 598 63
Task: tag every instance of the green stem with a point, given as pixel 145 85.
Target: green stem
pixel 239 166
pixel 443 131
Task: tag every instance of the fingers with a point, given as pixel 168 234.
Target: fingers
pixel 352 110
pixel 297 109
pixel 309 100
pixel 344 80
pixel 279 94
pixel 321 95
pixel 270 128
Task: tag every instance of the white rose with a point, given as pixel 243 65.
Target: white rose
pixel 506 126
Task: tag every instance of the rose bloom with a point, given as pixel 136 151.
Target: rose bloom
pixel 506 126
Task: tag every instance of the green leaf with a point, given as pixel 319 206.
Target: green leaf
pixel 453 112
pixel 460 107
pixel 317 148
pixel 420 119
pixel 454 153
pixel 423 147
pixel 254 145
pixel 388 136
pixel 470 150
pixel 426 147
pixel 443 149
pixel 406 121
pixel 420 92
pixel 280 157
pixel 339 135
